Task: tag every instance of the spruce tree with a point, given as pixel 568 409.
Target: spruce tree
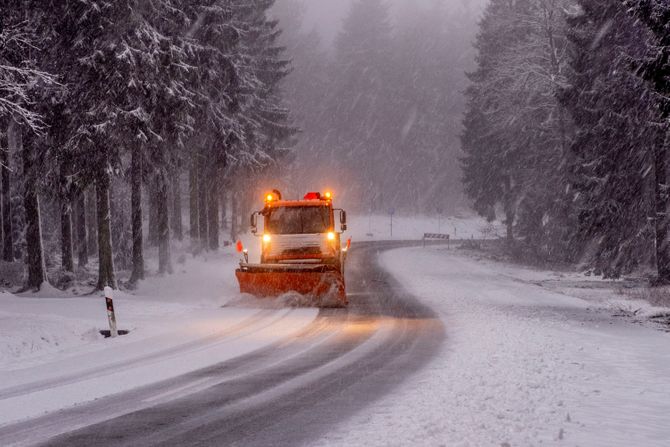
pixel 493 138
pixel 361 106
pixel 615 139
pixel 655 68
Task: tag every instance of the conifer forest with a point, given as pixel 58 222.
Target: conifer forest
pixel 135 124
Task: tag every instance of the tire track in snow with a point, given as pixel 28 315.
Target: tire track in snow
pixel 285 394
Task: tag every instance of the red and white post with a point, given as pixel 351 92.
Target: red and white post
pixel 110 311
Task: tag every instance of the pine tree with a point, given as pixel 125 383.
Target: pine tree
pixel 6 204
pixel 243 126
pixel 19 36
pixel 430 62
pixel 361 106
pixel 21 81
pixel 303 91
pixel 517 133
pixel 615 139
pixel 493 139
pixel 137 53
pixel 655 69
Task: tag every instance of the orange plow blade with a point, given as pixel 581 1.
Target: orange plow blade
pixel 318 281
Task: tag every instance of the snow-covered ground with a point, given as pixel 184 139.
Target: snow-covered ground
pixel 525 363
pixel 52 355
pixel 531 357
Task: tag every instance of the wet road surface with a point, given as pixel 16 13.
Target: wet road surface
pixel 289 394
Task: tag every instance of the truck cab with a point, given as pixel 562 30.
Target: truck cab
pixel 301 231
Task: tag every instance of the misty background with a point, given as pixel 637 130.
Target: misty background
pixel 376 90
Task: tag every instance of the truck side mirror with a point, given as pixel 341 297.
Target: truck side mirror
pixel 343 220
pixel 254 223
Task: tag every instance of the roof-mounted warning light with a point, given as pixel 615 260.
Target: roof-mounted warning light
pixel 272 196
pixel 328 196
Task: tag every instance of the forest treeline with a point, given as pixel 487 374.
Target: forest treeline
pixel 381 111
pixel 567 131
pixel 107 107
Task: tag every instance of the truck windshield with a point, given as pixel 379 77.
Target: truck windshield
pixel 298 220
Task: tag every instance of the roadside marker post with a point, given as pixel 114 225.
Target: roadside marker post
pixel 113 332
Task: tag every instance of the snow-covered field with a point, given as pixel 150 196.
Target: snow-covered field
pixel 52 355
pixel 523 364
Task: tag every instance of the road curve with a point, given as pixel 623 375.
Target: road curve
pixel 289 394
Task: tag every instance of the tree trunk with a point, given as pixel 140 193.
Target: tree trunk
pixel 510 213
pixel 176 205
pixel 164 263
pixel 662 197
pixel 136 216
pixel 35 253
pixel 67 256
pixel 80 230
pixel 509 224
pixel 213 213
pixel 66 250
pixel 233 216
pixel 92 221
pixel 117 226
pixel 105 255
pixel 153 212
pixel 194 226
pixel 8 240
pixel 224 205
pixel 202 208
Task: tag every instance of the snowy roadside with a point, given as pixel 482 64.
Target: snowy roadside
pixel 52 355
pixel 378 227
pixel 523 364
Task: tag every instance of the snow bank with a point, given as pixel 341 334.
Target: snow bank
pixel 28 337
pixel 52 355
pixel 522 365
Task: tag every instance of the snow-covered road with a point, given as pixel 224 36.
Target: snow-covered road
pixel 529 359
pixel 522 365
pixel 293 383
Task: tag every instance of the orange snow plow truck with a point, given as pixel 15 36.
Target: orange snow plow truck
pixel 301 250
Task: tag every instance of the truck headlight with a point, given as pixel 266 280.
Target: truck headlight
pixel 331 236
pixel 266 238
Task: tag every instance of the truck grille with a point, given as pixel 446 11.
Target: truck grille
pixel 297 244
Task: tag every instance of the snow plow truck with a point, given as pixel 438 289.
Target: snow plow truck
pixel 301 250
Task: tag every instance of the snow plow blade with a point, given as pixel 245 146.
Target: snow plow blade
pixel 323 282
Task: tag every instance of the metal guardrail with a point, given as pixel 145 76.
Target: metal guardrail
pixel 435 236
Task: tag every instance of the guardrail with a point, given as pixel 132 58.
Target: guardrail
pixel 435 236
